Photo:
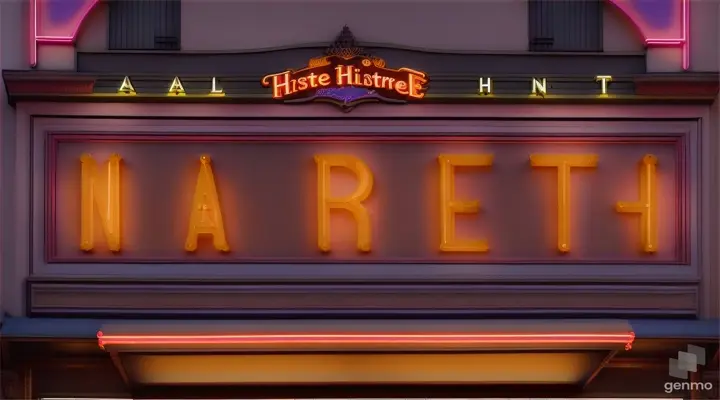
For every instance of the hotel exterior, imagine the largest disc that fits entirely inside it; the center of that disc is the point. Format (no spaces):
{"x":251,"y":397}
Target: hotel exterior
{"x":358,"y":199}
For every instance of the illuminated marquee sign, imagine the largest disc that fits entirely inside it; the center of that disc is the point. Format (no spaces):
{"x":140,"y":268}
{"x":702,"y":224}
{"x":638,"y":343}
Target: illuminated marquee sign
{"x":348,"y":81}
{"x":347,"y":76}
{"x":277,"y":199}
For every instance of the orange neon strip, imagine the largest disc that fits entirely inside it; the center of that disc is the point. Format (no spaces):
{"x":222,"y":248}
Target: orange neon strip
{"x":504,"y":338}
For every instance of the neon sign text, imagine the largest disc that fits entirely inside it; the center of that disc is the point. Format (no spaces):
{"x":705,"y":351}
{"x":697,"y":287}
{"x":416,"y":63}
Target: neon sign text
{"x":404,"y":82}
{"x":364,"y":76}
{"x":100,"y":195}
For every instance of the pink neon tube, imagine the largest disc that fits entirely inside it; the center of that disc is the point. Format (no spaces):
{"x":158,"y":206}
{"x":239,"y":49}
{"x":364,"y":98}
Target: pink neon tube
{"x":625,"y":338}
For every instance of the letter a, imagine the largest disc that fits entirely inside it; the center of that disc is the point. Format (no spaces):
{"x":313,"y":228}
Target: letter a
{"x":176,"y":88}
{"x":206,"y":216}
{"x":106,"y":202}
{"x":126,"y":87}
{"x":352,"y":203}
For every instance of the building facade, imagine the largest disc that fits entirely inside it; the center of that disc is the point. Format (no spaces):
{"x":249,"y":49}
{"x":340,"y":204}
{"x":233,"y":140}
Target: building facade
{"x":246,"y":199}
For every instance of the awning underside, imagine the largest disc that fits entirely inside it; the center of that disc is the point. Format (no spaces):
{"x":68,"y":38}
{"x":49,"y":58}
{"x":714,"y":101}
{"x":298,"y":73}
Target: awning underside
{"x":388,"y":368}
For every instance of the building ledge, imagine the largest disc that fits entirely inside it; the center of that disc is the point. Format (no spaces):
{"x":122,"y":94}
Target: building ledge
{"x":34,"y":86}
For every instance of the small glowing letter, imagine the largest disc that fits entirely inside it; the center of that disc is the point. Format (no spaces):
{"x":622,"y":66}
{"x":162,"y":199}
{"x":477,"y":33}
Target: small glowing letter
{"x":176,"y":88}
{"x":563,"y":163}
{"x":484,"y":87}
{"x":352,"y":203}
{"x":449,"y":206}
{"x":647,"y":205}
{"x":206,"y":216}
{"x":126,"y":87}
{"x":604,"y":82}
{"x":216,"y":91}
{"x":107,"y":202}
{"x":539,"y":87}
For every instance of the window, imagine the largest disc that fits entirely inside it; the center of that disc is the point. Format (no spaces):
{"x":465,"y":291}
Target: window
{"x":144,"y":25}
{"x":566,"y":25}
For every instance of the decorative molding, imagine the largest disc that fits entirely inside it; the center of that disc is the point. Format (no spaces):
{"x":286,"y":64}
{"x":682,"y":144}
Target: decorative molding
{"x":63,"y":117}
{"x":85,"y":297}
{"x":345,"y":44}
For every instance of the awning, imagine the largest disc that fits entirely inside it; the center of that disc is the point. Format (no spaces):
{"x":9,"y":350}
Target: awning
{"x":351,"y":335}
{"x":166,"y":359}
{"x":364,"y":351}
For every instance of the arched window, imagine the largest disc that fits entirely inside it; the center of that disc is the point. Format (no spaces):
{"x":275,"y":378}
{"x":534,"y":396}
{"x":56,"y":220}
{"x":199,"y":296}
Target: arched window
{"x":566,"y":25}
{"x":144,"y":25}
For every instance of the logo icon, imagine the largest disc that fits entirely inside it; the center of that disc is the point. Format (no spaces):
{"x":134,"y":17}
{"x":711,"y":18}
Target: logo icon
{"x":686,"y":361}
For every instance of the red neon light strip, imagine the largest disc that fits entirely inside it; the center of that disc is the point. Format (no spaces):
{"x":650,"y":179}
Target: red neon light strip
{"x":552,"y":338}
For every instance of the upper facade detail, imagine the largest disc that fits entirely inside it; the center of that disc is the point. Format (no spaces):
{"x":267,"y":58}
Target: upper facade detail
{"x":661,"y":23}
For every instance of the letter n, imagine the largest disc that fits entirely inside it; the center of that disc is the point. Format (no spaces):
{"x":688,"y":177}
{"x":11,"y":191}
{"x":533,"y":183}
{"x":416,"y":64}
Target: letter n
{"x":100,"y":192}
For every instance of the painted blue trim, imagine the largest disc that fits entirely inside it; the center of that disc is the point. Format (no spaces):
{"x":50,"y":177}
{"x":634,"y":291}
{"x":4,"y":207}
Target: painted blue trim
{"x":53,"y":328}
{"x":675,"y":329}
{"x":67,"y":328}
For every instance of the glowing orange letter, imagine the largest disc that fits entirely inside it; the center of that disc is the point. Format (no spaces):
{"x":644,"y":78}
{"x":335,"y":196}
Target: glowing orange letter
{"x":206,"y":216}
{"x":563,"y":163}
{"x":647,"y":205}
{"x":352,"y":203}
{"x":449,"y":206}
{"x":107,"y":202}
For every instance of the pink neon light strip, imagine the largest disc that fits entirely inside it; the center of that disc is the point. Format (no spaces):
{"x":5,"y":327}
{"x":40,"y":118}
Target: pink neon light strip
{"x":555,"y":338}
{"x":683,"y":42}
{"x":36,"y":39}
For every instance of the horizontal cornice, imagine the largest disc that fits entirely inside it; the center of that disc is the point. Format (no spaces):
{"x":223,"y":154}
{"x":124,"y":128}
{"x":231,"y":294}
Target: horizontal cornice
{"x":31,"y":85}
